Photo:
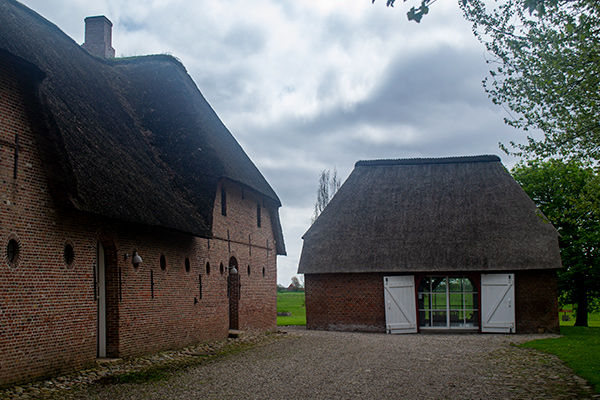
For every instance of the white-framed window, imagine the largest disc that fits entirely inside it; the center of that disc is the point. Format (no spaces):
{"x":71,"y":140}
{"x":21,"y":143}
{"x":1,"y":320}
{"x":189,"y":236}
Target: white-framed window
{"x":448,"y":302}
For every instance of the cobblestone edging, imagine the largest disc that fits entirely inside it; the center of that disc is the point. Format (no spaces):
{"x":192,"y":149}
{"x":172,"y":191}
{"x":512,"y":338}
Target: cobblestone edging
{"x":56,"y":388}
{"x":531,"y":374}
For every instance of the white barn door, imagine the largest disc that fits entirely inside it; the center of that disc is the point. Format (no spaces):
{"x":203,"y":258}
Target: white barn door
{"x":498,"y":303}
{"x":400,"y":307}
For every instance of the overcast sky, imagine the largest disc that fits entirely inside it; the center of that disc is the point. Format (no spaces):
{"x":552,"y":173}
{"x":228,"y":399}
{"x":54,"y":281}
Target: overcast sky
{"x":311,"y":85}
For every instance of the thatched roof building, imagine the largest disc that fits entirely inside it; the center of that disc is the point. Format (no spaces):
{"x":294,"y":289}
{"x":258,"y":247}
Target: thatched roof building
{"x":439,"y":214}
{"x":158,"y":157}
{"x":122,"y":191}
{"x":431,"y":244}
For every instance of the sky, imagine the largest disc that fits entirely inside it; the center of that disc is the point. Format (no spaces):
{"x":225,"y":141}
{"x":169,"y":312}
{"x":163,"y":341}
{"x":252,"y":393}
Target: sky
{"x":306,"y":86}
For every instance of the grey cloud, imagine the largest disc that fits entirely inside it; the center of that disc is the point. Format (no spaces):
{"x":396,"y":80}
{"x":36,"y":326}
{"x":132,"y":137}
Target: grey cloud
{"x":438,"y":95}
{"x":131,"y":24}
{"x":442,"y":76}
{"x":246,"y":40}
{"x":328,"y":85}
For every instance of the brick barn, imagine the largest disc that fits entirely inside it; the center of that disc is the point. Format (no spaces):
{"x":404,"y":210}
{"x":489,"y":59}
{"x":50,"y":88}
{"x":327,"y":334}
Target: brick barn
{"x":417,"y":245}
{"x":131,"y":219}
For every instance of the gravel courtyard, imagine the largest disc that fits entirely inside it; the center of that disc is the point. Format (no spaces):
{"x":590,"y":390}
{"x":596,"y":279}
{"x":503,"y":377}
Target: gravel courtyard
{"x":335,"y":365}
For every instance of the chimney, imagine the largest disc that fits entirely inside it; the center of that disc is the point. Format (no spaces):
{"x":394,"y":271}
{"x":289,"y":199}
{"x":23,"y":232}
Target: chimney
{"x":98,"y":36}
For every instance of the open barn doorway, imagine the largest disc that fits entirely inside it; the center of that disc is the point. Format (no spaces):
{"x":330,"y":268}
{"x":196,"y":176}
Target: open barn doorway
{"x":448,"y":302}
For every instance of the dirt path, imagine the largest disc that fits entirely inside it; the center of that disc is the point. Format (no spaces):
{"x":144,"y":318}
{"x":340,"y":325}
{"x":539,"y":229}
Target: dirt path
{"x":335,"y":365}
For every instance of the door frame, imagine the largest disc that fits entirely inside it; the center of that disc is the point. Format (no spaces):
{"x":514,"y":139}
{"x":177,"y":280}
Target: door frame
{"x":101,"y":330}
{"x":475,"y":278}
{"x":108,"y":295}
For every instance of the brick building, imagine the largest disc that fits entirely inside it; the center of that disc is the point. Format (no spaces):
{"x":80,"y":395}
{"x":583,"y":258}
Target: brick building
{"x":415,"y":245}
{"x":131,"y":219}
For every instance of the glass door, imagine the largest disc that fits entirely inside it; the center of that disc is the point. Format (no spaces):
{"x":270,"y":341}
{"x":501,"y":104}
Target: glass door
{"x":448,"y":302}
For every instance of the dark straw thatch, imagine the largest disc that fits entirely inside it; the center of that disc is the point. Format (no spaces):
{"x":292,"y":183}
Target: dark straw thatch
{"x":132,"y":139}
{"x":427,"y":215}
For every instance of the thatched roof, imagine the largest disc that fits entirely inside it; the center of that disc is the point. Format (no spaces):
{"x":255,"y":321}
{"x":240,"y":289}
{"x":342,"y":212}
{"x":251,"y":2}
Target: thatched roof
{"x":132,"y":139}
{"x":427,"y":215}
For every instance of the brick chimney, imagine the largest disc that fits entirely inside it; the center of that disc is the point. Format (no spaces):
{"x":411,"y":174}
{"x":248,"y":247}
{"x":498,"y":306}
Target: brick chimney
{"x":98,"y":36}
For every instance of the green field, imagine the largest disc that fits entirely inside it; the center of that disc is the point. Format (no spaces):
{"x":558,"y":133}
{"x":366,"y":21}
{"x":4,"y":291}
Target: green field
{"x":292,"y":302}
{"x":579,"y":348}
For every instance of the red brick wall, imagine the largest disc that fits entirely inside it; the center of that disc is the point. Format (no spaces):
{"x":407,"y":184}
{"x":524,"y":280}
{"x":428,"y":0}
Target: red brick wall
{"x":536,"y":301}
{"x":253,"y":247}
{"x":45,"y":305}
{"x":355,"y":302}
{"x":347,"y":302}
{"x":48,"y":312}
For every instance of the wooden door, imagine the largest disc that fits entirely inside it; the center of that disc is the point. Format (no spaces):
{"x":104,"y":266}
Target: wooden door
{"x":400,"y":307}
{"x":234,"y":300}
{"x":101,"y":300}
{"x":497,"y":303}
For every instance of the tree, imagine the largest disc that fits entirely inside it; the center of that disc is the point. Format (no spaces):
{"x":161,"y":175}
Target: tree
{"x":414,"y":14}
{"x":568,"y":193}
{"x":295,"y":285}
{"x":329,"y":183}
{"x":547,"y":71}
{"x":417,"y":13}
{"x":546,"y":57}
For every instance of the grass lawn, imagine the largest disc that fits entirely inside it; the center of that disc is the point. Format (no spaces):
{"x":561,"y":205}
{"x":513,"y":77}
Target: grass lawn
{"x":579,"y":348}
{"x":593,"y":319}
{"x":292,"y":302}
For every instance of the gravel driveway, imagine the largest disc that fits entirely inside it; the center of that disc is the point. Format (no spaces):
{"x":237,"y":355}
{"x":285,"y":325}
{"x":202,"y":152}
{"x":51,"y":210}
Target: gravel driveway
{"x":336,"y":365}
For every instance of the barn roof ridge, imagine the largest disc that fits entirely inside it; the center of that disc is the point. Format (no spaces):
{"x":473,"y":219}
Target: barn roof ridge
{"x":428,"y":160}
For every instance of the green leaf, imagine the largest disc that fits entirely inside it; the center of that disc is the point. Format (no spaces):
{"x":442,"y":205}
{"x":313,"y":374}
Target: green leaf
{"x":547,"y":71}
{"x":569,"y":27}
